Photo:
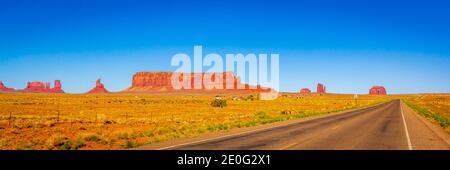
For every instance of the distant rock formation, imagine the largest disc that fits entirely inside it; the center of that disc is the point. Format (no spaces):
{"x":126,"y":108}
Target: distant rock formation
{"x":41,"y":87}
{"x":321,"y":89}
{"x":57,"y":87}
{"x":99,"y":88}
{"x":162,"y":81}
{"x":305,"y":91}
{"x":4,"y":88}
{"x":377,"y":90}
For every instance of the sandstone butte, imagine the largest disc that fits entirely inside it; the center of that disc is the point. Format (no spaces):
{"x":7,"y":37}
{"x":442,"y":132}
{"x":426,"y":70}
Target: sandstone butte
{"x":377,"y":90}
{"x":99,"y":88}
{"x":305,"y":91}
{"x":161,"y":82}
{"x":40,"y":87}
{"x":4,"y":88}
{"x":321,"y":89}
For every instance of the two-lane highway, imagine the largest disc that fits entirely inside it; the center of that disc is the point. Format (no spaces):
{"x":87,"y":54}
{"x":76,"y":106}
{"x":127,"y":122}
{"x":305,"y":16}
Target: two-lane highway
{"x":386,"y":126}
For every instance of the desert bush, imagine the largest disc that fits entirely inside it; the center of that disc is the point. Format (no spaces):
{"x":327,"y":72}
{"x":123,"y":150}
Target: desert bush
{"x":56,"y":141}
{"x":92,"y":137}
{"x":217,"y":127}
{"x":122,"y":135}
{"x":130,"y":144}
{"x":250,"y":98}
{"x":99,"y":138}
{"x":218,"y":102}
{"x":79,"y":143}
{"x":262,"y":115}
{"x":149,"y":133}
{"x":24,"y":146}
{"x":287,"y":112}
{"x":59,"y":141}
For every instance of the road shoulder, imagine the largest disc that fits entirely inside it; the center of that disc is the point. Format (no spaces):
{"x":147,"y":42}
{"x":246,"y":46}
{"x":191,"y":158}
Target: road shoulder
{"x":424,"y":134}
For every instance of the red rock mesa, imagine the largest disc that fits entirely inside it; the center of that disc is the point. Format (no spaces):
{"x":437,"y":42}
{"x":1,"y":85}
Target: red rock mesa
{"x":99,"y":88}
{"x":58,"y":87}
{"x":305,"y":91}
{"x":162,"y":81}
{"x":40,"y":87}
{"x":321,"y":89}
{"x":377,"y":90}
{"x":4,"y":88}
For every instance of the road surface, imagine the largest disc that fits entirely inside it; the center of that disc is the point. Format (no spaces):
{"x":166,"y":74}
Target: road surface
{"x":388,"y":126}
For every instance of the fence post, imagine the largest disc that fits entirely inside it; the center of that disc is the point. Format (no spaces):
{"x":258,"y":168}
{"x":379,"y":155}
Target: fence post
{"x":10,"y":117}
{"x":57,"y":118}
{"x":355,"y":96}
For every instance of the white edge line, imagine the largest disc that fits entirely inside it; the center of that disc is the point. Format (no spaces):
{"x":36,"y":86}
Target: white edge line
{"x":220,"y":137}
{"x":406,"y":128}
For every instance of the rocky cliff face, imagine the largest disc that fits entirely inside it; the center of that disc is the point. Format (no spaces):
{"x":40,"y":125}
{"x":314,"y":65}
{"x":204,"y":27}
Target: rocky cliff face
{"x":152,"y":80}
{"x":4,"y":88}
{"x":99,"y":88}
{"x":321,"y":89}
{"x":377,"y":90}
{"x":162,"y":81}
{"x":57,"y":87}
{"x":41,"y":87}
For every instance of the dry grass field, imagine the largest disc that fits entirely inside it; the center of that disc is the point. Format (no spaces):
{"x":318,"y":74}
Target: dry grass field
{"x":435,"y":107}
{"x":119,"y":121}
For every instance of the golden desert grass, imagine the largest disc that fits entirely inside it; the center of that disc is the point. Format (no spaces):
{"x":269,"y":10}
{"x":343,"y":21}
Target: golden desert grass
{"x":119,"y":121}
{"x":435,"y":107}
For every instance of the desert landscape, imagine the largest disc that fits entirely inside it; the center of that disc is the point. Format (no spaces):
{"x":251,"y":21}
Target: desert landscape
{"x":224,"y":84}
{"x":120,"y":121}
{"x":41,"y":117}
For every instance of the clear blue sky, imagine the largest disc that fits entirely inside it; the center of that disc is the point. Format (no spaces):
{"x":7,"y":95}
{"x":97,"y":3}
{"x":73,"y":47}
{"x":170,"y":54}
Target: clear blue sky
{"x":347,"y":45}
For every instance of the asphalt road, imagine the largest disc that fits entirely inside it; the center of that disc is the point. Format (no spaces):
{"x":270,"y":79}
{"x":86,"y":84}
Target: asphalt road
{"x":389,"y":126}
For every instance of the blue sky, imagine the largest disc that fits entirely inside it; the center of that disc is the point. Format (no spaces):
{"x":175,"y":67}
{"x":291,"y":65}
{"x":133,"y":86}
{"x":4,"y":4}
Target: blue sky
{"x":347,"y":45}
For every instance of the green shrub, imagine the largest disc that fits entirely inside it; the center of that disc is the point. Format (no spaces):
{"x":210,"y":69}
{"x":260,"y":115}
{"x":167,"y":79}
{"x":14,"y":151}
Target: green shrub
{"x":78,"y":144}
{"x":66,"y":145}
{"x":122,"y":135}
{"x":218,"y":102}
{"x":92,"y":138}
{"x":131,"y":144}
{"x":250,"y":98}
{"x":287,"y":112}
{"x":262,"y":115}
{"x":149,"y":133}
